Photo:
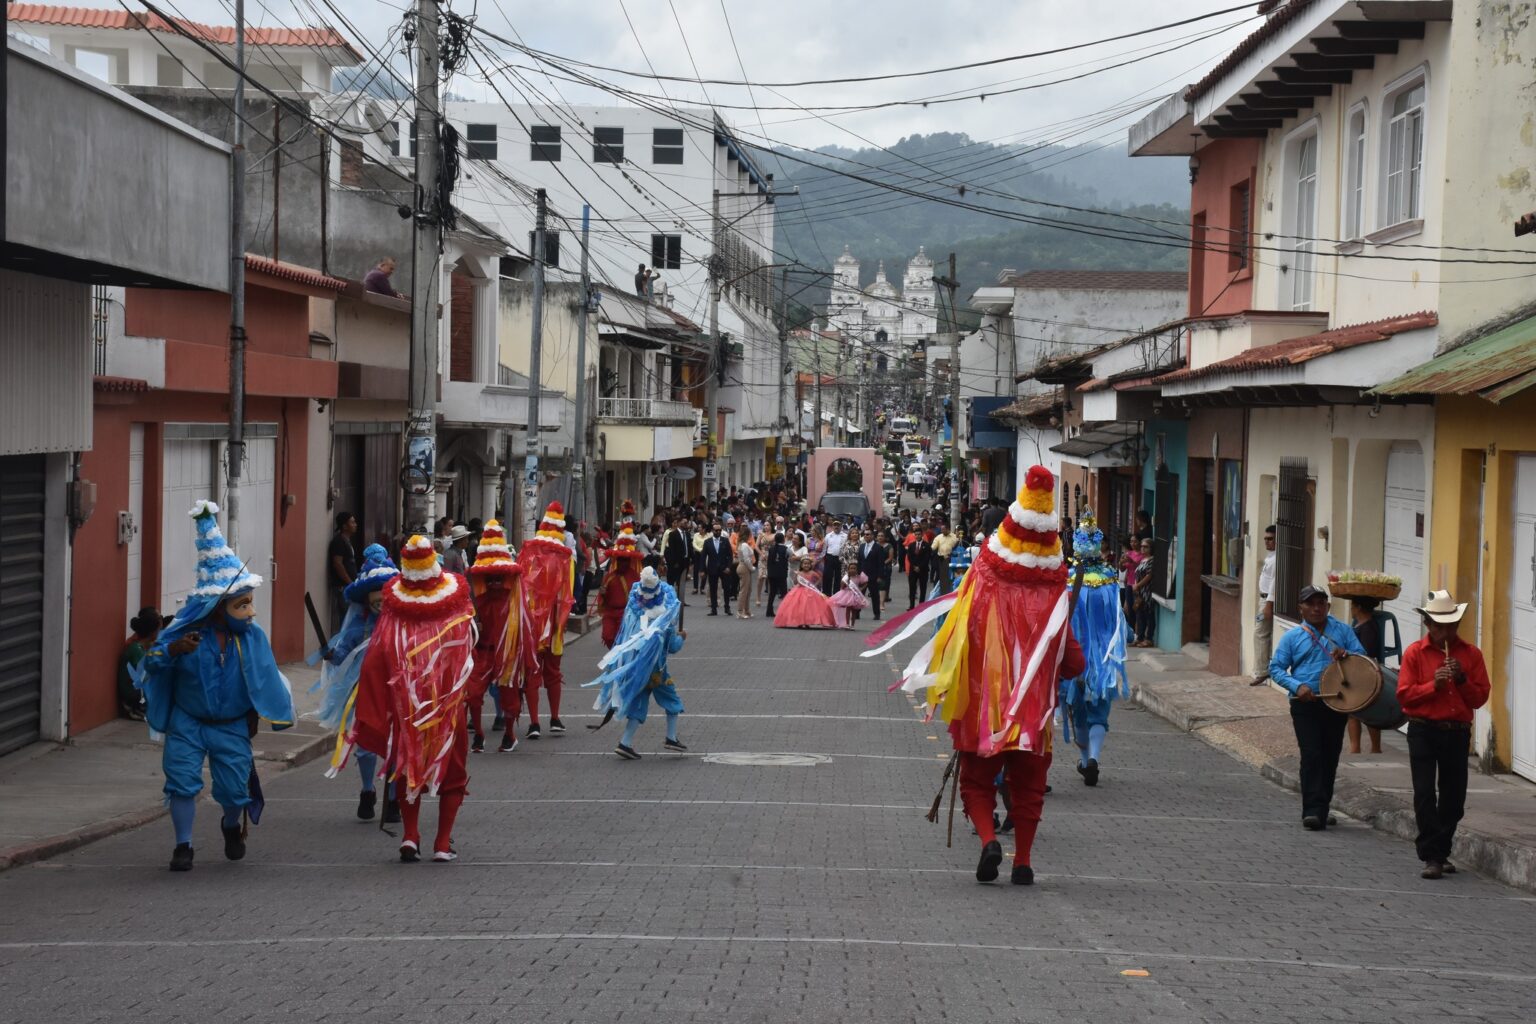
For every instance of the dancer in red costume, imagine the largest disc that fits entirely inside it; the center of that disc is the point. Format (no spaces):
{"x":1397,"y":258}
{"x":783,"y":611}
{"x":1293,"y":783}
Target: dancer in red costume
{"x":412,"y":690}
{"x":991,"y":670}
{"x":548,"y":579}
{"x":623,"y":573}
{"x":501,"y":654}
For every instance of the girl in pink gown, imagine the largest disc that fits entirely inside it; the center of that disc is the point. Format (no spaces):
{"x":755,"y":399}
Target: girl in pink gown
{"x":849,"y":599}
{"x":805,"y":606}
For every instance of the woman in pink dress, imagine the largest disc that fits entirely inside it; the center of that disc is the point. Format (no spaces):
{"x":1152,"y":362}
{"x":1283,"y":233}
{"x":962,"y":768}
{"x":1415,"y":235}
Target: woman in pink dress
{"x":849,"y":601}
{"x":805,"y":606}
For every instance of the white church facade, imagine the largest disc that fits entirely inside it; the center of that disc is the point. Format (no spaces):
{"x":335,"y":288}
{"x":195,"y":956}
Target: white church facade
{"x":906,"y":316}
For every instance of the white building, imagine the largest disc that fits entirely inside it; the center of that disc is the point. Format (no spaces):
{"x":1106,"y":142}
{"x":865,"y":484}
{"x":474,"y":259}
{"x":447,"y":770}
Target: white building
{"x":906,"y":316}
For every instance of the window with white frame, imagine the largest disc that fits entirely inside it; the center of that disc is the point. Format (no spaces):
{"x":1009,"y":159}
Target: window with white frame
{"x":1403,"y":168}
{"x":480,"y":141}
{"x":1301,"y":187}
{"x":1354,"y":171}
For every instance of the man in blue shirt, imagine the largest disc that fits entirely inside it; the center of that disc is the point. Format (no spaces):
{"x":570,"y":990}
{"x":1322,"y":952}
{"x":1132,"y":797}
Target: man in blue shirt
{"x":1298,"y":664}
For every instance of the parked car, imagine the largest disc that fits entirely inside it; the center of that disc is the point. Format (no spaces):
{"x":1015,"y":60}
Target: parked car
{"x":846,"y":505}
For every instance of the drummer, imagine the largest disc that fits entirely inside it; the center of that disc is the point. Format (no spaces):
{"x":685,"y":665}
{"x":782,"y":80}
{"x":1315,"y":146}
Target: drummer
{"x":1297,"y":665}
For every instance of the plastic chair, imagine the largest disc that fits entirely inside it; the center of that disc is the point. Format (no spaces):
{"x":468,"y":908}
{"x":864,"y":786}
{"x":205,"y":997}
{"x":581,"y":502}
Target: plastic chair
{"x":1394,"y":647}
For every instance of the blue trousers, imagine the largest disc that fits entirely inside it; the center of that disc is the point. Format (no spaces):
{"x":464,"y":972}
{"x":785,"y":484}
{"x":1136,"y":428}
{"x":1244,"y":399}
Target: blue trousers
{"x":226,"y":748}
{"x":665,"y":696}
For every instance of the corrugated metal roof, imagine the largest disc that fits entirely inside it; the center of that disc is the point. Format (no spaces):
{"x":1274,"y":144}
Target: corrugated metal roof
{"x":89,"y":17}
{"x":1293,"y":351}
{"x":1107,"y":280}
{"x":1497,"y":367}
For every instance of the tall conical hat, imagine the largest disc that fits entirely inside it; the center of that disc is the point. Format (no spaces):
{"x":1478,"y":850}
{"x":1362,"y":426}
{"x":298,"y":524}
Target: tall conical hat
{"x":220,"y":573}
{"x":422,"y":582}
{"x":377,"y":570}
{"x":493,"y":557}
{"x":625,"y":545}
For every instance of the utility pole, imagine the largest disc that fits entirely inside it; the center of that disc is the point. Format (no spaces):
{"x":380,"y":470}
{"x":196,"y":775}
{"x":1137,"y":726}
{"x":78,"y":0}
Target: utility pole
{"x":783,"y":360}
{"x":716,"y":365}
{"x":951,"y":285}
{"x":816,"y":431}
{"x":577,"y":499}
{"x":535,"y":371}
{"x":419,"y":475}
{"x":235,"y":456}
{"x":841,"y":426}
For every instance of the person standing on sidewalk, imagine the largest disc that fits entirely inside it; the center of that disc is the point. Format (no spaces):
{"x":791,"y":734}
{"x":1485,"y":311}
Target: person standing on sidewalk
{"x":1443,"y":680}
{"x":1298,"y":664}
{"x":1264,"y":625}
{"x":208,"y":680}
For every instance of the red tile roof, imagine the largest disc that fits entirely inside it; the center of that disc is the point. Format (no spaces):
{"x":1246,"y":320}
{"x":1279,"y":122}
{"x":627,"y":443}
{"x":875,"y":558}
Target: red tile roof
{"x":90,"y":17}
{"x":102,"y":382}
{"x":296,"y":274}
{"x":1279,"y":15}
{"x":1107,"y":280}
{"x":1294,"y":351}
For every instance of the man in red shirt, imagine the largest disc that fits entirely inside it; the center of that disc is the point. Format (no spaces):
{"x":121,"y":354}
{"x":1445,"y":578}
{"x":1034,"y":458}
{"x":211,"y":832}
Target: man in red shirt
{"x":1441,"y":683}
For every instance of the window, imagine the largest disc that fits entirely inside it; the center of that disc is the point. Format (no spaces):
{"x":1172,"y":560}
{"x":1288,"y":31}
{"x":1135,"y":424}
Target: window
{"x":1293,"y":527}
{"x":168,"y":71}
{"x":1303,"y":219}
{"x":1354,"y":171}
{"x":666,"y":252}
{"x":607,"y":145}
{"x":1405,"y":154}
{"x":1239,"y":204}
{"x":551,"y":248}
{"x":544,"y":143}
{"x":481,"y":144}
{"x":405,"y":139}
{"x":667,"y":146}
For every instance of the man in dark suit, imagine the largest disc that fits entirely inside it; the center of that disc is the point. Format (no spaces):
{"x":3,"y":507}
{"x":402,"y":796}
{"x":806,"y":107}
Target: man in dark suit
{"x":676,"y":549}
{"x":777,"y":570}
{"x":871,"y":560}
{"x":718,"y":560}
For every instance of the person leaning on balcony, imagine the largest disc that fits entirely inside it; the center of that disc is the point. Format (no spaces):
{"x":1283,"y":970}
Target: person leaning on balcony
{"x":1443,"y":680}
{"x":1298,"y":664}
{"x":377,"y":279}
{"x":1264,"y":625}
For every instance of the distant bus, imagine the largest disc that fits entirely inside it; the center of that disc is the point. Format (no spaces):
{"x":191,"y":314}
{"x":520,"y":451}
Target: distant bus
{"x":901,"y":426}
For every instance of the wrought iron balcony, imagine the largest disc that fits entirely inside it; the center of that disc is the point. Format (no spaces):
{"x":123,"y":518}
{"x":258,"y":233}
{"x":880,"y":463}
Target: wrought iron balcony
{"x":645,"y":410}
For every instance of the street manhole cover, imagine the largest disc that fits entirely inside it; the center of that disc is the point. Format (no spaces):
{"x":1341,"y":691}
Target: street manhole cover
{"x":768,"y":760}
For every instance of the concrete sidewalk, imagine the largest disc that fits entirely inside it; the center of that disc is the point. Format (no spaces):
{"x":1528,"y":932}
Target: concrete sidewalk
{"x":1253,"y":724}
{"x":57,"y":796}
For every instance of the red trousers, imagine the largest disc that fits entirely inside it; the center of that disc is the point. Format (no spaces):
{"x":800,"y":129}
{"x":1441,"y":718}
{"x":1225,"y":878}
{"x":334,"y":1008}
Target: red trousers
{"x":510,"y":699}
{"x":1025,"y":780}
{"x":450,"y":795}
{"x":546,"y":673}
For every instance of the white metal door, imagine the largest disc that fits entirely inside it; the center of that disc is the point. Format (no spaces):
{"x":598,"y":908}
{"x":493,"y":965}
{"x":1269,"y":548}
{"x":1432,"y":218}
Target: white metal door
{"x":189,"y":474}
{"x":135,"y":517}
{"x":1403,"y":528}
{"x":1520,"y":673}
{"x":258,"y":485}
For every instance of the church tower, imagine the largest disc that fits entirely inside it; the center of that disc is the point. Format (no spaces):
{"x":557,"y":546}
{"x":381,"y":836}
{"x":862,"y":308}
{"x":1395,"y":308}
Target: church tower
{"x":919,"y":297}
{"x":845,"y":306}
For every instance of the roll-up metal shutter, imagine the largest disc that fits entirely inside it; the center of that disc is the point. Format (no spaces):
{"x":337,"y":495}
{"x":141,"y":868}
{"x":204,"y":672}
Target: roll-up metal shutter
{"x":21,"y":600}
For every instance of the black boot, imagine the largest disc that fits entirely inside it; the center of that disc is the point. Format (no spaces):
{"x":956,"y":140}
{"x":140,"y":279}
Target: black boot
{"x":391,"y":811}
{"x":1023,"y":874}
{"x":181,"y":857}
{"x":234,"y":842}
{"x":991,"y":857}
{"x":365,"y":804}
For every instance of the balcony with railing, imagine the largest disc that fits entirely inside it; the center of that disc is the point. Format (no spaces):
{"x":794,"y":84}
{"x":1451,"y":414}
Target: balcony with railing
{"x":645,"y":410}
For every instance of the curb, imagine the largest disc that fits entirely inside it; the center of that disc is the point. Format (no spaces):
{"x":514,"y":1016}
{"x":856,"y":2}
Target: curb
{"x":52,"y":846}
{"x":1513,"y":864}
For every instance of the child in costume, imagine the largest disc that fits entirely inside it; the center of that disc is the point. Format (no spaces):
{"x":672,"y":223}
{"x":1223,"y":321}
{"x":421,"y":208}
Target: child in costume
{"x":412,"y":690}
{"x":1099,"y":625}
{"x":635,"y":672}
{"x":991,"y":670}
{"x":548,"y":592}
{"x":805,"y":606}
{"x":623,"y":573}
{"x":343,"y":657}
{"x":849,"y":601}
{"x":501,"y":655}
{"x":207,"y":679}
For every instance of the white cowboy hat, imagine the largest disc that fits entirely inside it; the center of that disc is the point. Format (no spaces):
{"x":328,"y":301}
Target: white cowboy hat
{"x":458,"y":533}
{"x":1442,"y":607}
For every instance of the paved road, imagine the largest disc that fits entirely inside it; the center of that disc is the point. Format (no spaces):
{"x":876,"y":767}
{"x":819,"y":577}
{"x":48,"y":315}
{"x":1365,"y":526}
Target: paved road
{"x":680,"y":888}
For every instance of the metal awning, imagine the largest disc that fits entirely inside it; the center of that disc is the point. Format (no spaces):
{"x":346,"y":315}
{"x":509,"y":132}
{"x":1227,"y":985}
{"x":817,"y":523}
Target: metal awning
{"x":1097,"y":440}
{"x":1495,"y":367}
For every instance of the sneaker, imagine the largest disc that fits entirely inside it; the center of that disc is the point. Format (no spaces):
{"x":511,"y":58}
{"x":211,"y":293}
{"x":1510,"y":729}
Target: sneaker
{"x":443,"y":856}
{"x":234,"y":842}
{"x":410,"y":853}
{"x":1023,"y":874}
{"x":477,"y":745}
{"x":365,"y":804}
{"x":1432,"y":869}
{"x":627,"y":753}
{"x":533,"y":731}
{"x":391,"y":812}
{"x":991,"y":857}
{"x":1089,"y":772}
{"x":508,"y":742}
{"x":556,"y":726}
{"x":181,"y":857}
{"x":674,"y":745}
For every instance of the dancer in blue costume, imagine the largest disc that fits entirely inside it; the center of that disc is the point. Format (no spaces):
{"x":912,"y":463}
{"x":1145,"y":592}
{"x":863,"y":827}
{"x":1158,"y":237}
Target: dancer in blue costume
{"x":344,"y":662}
{"x":635,"y":672}
{"x":207,"y":680}
{"x":1098,"y":622}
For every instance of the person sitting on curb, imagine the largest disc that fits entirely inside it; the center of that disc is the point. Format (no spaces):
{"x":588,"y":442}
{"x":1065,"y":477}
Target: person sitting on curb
{"x":1298,"y":664}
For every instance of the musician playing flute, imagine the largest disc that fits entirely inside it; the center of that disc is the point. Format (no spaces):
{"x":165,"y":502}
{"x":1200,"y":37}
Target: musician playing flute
{"x":1441,"y":683}
{"x":1297,"y":665}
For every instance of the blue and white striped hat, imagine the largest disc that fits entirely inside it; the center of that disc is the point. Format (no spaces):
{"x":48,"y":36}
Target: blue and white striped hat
{"x":219,"y":570}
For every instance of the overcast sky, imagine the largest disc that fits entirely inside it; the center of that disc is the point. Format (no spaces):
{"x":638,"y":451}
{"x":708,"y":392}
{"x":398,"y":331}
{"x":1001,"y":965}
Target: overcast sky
{"x":795,"y":40}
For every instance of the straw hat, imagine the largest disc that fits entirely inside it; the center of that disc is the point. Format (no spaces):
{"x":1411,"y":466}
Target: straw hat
{"x":1442,"y":607}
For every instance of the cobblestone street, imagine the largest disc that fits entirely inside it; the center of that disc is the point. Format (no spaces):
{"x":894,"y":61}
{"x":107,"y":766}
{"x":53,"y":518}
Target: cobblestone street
{"x":691,"y":888}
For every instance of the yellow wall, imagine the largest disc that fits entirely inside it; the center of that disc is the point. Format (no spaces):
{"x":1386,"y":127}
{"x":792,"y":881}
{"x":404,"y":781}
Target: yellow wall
{"x":1470,"y":432}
